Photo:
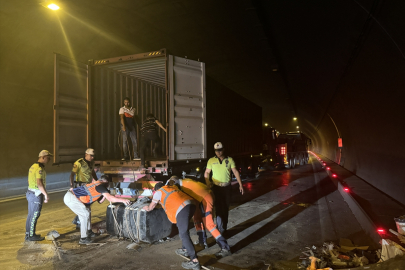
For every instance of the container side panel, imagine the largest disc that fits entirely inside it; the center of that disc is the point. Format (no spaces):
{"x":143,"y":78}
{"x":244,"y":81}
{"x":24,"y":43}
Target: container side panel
{"x":187,"y":80}
{"x":70,"y":109}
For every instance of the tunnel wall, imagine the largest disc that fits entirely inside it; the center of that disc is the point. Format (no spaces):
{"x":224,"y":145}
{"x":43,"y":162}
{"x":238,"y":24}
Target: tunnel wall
{"x":30,"y":34}
{"x":368,"y":111}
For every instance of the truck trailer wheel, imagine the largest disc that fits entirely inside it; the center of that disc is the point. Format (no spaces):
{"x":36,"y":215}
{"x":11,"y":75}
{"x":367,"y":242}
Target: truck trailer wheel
{"x":292,"y":163}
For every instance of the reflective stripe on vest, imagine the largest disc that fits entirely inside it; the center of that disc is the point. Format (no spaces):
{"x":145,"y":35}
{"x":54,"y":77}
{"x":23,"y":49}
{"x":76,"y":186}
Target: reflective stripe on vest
{"x":167,"y":196}
{"x":92,"y":194}
{"x":176,"y":203}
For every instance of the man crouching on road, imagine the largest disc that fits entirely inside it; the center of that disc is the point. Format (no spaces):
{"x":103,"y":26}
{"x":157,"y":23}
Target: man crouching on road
{"x":78,"y":198}
{"x":179,"y":208}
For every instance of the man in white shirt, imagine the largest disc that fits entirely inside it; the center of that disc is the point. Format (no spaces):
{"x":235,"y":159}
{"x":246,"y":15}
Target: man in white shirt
{"x":128,"y":129}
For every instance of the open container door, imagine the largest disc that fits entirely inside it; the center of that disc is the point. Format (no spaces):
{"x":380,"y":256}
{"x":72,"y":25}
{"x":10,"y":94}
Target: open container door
{"x":71,"y":125}
{"x":187,"y":109}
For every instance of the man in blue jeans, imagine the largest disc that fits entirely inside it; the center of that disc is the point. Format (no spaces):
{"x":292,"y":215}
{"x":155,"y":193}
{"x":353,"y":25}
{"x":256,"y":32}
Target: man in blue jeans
{"x":128,"y":129}
{"x":36,"y":195}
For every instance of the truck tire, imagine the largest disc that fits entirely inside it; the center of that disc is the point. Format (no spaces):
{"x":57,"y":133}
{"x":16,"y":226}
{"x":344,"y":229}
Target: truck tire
{"x":292,"y":163}
{"x":288,"y":166}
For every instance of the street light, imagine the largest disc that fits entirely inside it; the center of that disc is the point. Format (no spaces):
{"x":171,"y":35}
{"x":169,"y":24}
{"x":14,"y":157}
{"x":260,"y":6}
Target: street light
{"x":53,"y":6}
{"x":298,"y":127}
{"x":295,"y":118}
{"x":266,"y":124}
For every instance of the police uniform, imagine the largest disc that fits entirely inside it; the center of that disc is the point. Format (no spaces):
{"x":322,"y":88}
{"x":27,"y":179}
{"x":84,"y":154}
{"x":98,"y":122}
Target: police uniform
{"x":83,"y":171}
{"x":84,"y":175}
{"x":221,"y":178}
{"x":34,"y":197}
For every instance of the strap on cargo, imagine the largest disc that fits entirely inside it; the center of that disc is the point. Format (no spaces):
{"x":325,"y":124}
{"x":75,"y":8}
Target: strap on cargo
{"x":115,"y":219}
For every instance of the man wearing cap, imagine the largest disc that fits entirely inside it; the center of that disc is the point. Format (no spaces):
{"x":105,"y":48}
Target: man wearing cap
{"x":83,"y":168}
{"x":221,"y":167}
{"x":36,"y":195}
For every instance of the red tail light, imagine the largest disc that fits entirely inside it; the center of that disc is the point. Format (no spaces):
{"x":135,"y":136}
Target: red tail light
{"x":381,"y":231}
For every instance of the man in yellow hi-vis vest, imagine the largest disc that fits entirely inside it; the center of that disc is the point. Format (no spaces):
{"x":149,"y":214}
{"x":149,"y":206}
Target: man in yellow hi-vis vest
{"x":36,"y":195}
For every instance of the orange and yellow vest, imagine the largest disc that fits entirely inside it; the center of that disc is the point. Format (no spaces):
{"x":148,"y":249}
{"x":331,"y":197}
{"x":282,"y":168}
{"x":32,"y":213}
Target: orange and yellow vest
{"x":173,"y":201}
{"x":91,"y":193}
{"x":194,"y":189}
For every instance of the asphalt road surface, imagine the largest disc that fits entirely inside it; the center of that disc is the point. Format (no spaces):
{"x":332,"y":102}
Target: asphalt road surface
{"x":280,"y":214}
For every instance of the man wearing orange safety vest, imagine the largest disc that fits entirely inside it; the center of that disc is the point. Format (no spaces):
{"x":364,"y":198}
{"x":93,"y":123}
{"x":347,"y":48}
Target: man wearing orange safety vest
{"x":203,"y":213}
{"x":179,"y":208}
{"x":78,"y":198}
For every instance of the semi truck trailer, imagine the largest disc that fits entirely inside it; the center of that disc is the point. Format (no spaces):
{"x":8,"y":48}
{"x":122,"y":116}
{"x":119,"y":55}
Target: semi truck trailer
{"x":196,"y":110}
{"x":286,"y":150}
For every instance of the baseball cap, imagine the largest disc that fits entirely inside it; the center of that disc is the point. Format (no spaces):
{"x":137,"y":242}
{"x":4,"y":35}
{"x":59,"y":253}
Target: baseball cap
{"x":218,"y":146}
{"x":90,"y":151}
{"x":44,"y":153}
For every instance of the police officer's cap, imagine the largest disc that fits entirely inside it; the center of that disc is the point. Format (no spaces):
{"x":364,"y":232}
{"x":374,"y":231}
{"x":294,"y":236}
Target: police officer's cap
{"x":218,"y":146}
{"x":90,"y":151}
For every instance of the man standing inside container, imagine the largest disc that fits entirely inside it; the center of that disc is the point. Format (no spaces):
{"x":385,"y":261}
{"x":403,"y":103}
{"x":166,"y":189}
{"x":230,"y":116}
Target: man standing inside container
{"x":83,"y":169}
{"x":128,"y":129}
{"x":79,"y":200}
{"x":221,"y":167}
{"x":179,"y":208}
{"x":36,"y":195}
{"x":149,"y":131}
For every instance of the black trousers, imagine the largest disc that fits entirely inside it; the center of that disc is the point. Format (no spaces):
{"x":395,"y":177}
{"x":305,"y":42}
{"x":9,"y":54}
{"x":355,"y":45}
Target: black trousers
{"x":222,"y":203}
{"x":182,"y":219}
{"x":34,"y":211}
{"x":146,"y":138}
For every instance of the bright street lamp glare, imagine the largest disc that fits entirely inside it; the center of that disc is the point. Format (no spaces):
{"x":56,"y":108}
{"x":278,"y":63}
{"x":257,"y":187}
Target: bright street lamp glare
{"x":53,"y":7}
{"x":266,"y":124}
{"x":298,"y":127}
{"x":295,"y":118}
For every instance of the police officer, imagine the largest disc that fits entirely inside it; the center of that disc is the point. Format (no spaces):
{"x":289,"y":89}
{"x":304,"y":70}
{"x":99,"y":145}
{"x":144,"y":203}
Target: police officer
{"x":36,"y":195}
{"x":179,"y":208}
{"x":221,"y":167}
{"x":83,"y":169}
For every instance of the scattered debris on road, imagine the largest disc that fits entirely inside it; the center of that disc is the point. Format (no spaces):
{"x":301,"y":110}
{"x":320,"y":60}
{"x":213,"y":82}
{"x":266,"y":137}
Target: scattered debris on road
{"x":332,"y":256}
